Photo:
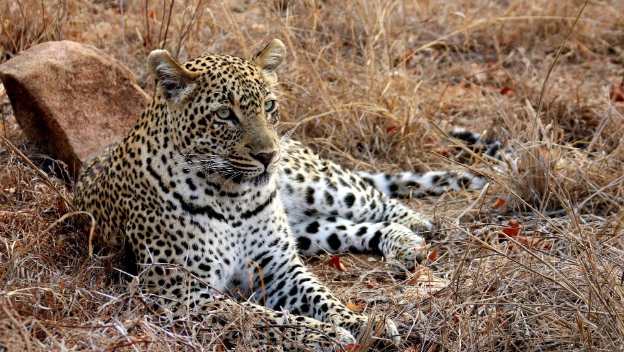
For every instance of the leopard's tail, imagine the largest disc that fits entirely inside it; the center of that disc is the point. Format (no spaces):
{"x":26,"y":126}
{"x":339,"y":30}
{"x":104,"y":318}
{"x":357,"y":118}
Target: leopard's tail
{"x":408,"y":184}
{"x":433,"y":183}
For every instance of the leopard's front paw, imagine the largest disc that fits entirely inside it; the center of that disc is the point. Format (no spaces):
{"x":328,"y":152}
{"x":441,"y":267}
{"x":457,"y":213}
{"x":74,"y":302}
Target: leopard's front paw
{"x":404,"y":248}
{"x":419,"y":224}
{"x":343,"y":336}
{"x":379,"y":329}
{"x":339,"y":339}
{"x":391,"y":332}
{"x":317,"y":336}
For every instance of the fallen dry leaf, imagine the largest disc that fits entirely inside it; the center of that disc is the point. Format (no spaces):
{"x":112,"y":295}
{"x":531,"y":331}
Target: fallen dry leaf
{"x":444,"y":152}
{"x":617,"y":92}
{"x":512,"y":229}
{"x":506,"y":91}
{"x":531,"y":242}
{"x":499,"y":203}
{"x":392,"y":130}
{"x":353,"y":347}
{"x":336,"y":263}
{"x":356,"y":307}
{"x":433,"y":255}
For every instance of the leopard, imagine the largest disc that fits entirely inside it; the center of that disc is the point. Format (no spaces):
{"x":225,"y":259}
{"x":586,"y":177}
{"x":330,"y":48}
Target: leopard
{"x":210,"y":199}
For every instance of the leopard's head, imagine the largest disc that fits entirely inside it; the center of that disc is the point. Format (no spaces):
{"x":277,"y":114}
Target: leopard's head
{"x":222,"y":111}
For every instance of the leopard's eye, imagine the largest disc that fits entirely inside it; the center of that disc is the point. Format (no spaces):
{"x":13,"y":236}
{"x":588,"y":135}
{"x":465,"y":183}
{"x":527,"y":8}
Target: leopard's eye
{"x":227,"y":114}
{"x":270,"y":105}
{"x":224,"y":113}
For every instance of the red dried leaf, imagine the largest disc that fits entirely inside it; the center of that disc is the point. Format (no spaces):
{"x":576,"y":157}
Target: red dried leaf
{"x":444,"y":152}
{"x":353,"y":347}
{"x":433,"y":255}
{"x":506,"y":91}
{"x":499,"y":203}
{"x":512,"y":229}
{"x":336,"y":263}
{"x":617,"y":93}
{"x":525,"y":241}
{"x":356,"y":307}
{"x":392,"y":130}
{"x":413,"y":280}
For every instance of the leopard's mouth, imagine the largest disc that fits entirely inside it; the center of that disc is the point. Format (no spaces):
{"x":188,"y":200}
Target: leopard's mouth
{"x":242,"y":172}
{"x":259,"y":178}
{"x":235,"y":170}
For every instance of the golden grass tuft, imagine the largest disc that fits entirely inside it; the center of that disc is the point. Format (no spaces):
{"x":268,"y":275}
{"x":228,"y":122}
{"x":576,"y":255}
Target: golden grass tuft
{"x":368,"y":83}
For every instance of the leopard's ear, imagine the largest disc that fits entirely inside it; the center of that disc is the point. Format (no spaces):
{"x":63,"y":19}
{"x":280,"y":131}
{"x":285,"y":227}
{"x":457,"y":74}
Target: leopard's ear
{"x":174,"y":81}
{"x":269,"y":58}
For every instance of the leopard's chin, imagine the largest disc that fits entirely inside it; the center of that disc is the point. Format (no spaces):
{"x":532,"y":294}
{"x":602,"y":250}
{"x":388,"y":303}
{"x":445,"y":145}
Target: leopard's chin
{"x":256,"y":179}
{"x":262,"y":179}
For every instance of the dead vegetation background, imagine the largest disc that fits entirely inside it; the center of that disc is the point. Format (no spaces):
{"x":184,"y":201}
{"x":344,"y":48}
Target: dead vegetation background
{"x":535,"y":262}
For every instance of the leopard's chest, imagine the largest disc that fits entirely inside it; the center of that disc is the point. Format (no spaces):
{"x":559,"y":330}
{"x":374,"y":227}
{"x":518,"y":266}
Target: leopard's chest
{"x":219,"y":238}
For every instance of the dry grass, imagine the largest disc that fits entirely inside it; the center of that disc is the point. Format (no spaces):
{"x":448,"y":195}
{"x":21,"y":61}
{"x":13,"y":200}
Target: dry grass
{"x":366,"y":83}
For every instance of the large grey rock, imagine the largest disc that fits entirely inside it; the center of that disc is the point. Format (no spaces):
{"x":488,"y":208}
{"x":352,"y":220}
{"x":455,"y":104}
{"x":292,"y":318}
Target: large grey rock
{"x":72,"y":99}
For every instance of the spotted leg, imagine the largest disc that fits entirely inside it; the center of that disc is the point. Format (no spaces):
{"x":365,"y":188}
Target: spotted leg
{"x":318,"y":191}
{"x":292,"y":332}
{"x":192,"y":288}
{"x":330,"y":234}
{"x":291,"y":287}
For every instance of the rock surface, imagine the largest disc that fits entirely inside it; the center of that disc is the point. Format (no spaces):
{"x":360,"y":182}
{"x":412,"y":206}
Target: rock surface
{"x":72,"y":99}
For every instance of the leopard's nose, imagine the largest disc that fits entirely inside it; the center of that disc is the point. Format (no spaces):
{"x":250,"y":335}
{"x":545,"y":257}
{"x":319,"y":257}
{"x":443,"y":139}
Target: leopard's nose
{"x":264,"y":158}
